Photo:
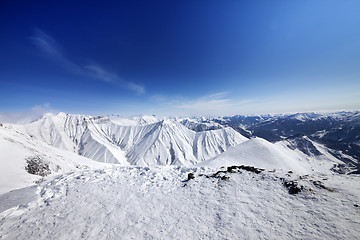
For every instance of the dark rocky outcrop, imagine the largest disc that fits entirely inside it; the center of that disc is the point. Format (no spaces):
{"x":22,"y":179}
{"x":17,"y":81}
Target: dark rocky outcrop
{"x":190,"y":176}
{"x":37,"y":166}
{"x":293,"y":186}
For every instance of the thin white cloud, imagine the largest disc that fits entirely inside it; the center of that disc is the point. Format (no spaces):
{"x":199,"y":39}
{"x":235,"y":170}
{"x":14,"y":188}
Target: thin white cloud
{"x":26,"y":116}
{"x":214,"y":104}
{"x":99,"y":73}
{"x":209,"y":105}
{"x":158,"y":98}
{"x":218,"y":95}
{"x":206,"y":106}
{"x":217,"y":104}
{"x":47,"y":45}
{"x":136,"y":87}
{"x":245,"y":102}
{"x":51,"y":49}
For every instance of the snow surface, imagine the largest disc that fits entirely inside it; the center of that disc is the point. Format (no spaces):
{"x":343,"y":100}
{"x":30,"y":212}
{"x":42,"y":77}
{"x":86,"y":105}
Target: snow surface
{"x":262,"y":154}
{"x":156,"y":203}
{"x":15,"y":147}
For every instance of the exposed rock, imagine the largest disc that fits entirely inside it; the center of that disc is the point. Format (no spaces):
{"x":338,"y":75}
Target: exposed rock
{"x":292,"y":186}
{"x":221,"y":175}
{"x":320,"y":184}
{"x":37,"y":166}
{"x":190,"y":176}
{"x":246,"y":168}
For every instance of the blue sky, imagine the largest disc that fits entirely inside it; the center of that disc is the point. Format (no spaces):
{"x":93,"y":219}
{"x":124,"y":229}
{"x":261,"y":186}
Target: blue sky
{"x":179,"y":57}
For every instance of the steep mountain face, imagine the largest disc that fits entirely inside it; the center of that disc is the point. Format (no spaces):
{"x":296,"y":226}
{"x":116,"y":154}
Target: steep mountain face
{"x":76,"y":133}
{"x":304,"y":144}
{"x":166,"y":142}
{"x":199,"y":126}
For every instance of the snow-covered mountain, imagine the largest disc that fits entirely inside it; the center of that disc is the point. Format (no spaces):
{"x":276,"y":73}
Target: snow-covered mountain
{"x":338,"y":132}
{"x":166,"y":142}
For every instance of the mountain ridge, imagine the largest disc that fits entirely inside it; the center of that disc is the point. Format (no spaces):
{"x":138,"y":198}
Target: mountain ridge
{"x":164,"y":142}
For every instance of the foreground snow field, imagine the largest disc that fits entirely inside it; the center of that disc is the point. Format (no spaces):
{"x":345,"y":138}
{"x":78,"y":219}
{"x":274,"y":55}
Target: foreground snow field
{"x":159,"y":203}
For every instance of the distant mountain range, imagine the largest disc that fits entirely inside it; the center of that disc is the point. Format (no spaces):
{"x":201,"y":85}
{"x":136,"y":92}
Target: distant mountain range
{"x":339,"y":132}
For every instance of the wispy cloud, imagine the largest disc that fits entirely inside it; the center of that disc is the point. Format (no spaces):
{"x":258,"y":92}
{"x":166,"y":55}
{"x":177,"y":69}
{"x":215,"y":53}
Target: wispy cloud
{"x":52,"y":50}
{"x":215,"y":104}
{"x":210,"y":105}
{"x":158,"y":98}
{"x":223,"y":104}
{"x":136,"y":87}
{"x":99,"y":73}
{"x":26,"y":116}
{"x":218,"y":95}
{"x":48,"y":46}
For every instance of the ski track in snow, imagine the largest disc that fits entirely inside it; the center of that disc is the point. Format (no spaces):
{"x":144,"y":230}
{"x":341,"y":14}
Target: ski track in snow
{"x":153,"y":203}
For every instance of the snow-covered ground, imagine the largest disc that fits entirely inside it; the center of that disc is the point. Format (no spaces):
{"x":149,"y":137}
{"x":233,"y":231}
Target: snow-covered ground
{"x":16,"y":147}
{"x":157,"y":203}
{"x":262,"y":154}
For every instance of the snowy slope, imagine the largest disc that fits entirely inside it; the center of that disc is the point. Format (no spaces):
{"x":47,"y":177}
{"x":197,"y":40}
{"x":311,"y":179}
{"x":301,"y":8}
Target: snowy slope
{"x":262,"y":154}
{"x":156,"y":203}
{"x":16,"y":147}
{"x":166,"y":142}
{"x":320,"y":157}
